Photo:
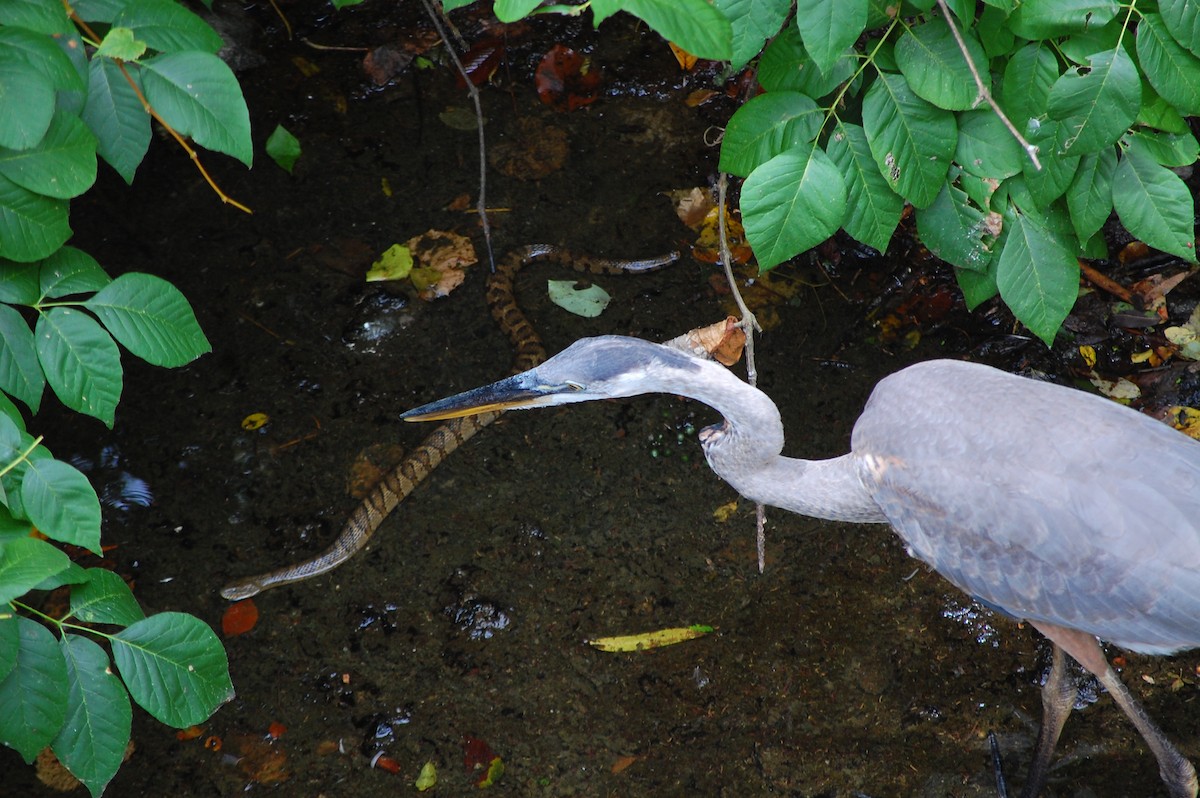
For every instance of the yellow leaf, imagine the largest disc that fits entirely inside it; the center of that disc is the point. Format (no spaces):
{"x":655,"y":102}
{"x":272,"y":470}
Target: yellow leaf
{"x":657,"y":639}
{"x":1089,"y":355}
{"x":722,"y":513}
{"x":255,"y":421}
{"x":427,"y":777}
{"x":395,"y":264}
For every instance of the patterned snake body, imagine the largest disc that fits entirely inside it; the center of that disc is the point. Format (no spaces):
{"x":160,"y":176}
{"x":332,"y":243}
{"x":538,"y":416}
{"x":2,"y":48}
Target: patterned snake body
{"x":394,"y":487}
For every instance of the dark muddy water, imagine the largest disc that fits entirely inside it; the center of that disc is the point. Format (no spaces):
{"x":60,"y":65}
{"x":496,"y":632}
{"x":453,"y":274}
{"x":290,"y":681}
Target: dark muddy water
{"x":846,"y":669}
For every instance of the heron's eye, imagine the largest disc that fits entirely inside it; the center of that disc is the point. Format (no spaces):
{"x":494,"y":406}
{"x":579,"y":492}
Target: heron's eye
{"x":574,"y":386}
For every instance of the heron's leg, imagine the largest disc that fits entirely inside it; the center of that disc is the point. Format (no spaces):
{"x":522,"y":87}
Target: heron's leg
{"x":1058,"y":699}
{"x":1176,"y":771}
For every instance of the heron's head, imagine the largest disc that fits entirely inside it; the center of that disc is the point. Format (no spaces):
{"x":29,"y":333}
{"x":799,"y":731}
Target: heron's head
{"x":606,"y":367}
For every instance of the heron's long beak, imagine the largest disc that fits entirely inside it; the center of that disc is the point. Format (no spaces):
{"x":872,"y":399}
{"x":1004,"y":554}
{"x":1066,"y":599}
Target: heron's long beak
{"x":519,"y":391}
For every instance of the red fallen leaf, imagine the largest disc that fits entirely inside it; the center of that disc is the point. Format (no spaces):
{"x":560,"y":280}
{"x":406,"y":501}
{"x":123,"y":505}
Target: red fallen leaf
{"x":566,"y":80}
{"x":239,"y":618}
{"x":481,"y":61}
{"x":481,"y":761}
{"x":276,"y":730}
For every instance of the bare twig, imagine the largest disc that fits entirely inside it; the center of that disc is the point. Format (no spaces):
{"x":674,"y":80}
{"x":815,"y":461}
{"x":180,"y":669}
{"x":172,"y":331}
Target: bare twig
{"x":435,"y":15}
{"x":1030,"y":149}
{"x":750,"y":326}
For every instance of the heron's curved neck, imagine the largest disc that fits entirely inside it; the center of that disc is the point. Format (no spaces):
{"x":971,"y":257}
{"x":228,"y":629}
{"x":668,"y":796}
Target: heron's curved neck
{"x":745,"y":452}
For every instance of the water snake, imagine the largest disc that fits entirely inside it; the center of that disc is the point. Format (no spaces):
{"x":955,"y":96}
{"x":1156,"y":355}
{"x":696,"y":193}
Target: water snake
{"x":395,"y":486}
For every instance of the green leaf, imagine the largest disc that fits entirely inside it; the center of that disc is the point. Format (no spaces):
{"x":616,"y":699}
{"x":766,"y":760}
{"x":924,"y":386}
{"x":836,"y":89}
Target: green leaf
{"x":451,"y":5}
{"x":168,"y":27}
{"x":199,"y":96}
{"x":828,"y":29}
{"x":61,"y":165}
{"x":693,"y":25}
{"x":513,"y":10}
{"x":73,"y":574}
{"x":935,"y":68}
{"x":1058,"y":170}
{"x":33,"y":697}
{"x":121,"y":44}
{"x":151,"y":318}
{"x":985,"y":147}
{"x":70,"y":271}
{"x":80,"y":361}
{"x":31,"y":226}
{"x":61,"y":502}
{"x":1028,"y":78}
{"x":586,"y":302}
{"x":1048,"y":19}
{"x":26,"y":105}
{"x":41,"y":16}
{"x":1099,"y":105}
{"x":1182,"y":19}
{"x":1172,"y":71}
{"x":872,"y":208}
{"x":954,"y":230}
{"x":791,"y":203}
{"x":20,"y":373}
{"x":9,"y":640}
{"x":1089,"y":198}
{"x":994,"y":34}
{"x":42,"y":55}
{"x":116,"y":117}
{"x":1037,"y":275}
{"x":766,"y":126}
{"x":175,"y":668}
{"x":26,"y":562}
{"x":1158,"y":113}
{"x":912,"y":140}
{"x":1168,"y":149}
{"x":92,"y":741}
{"x":754,"y":22}
{"x":19,"y":283}
{"x":977,"y":287}
{"x":283,"y":148}
{"x":786,"y":66}
{"x":1154,"y":204}
{"x":105,"y":598}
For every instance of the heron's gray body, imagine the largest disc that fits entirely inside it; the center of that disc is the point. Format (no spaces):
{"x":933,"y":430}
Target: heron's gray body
{"x":1049,"y":504}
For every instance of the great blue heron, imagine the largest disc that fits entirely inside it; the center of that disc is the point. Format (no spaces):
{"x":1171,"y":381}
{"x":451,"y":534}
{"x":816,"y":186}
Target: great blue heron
{"x":1053,"y":506}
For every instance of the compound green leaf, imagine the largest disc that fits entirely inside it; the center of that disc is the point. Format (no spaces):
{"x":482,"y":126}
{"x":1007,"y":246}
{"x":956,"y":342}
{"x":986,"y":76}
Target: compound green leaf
{"x":24,"y":563}
{"x":62,"y":165}
{"x":935,"y":68}
{"x":199,"y":96}
{"x":61,"y":502}
{"x":42,"y":16}
{"x":42,"y":55}
{"x":167,"y":26}
{"x":174,"y":667}
{"x":1173,"y":71}
{"x":1154,"y":204}
{"x":31,"y":226}
{"x":828,"y":29}
{"x":104,"y":598}
{"x":1037,"y":275}
{"x":26,"y":105}
{"x":92,"y":741}
{"x":912,"y":140}
{"x":766,"y":126}
{"x":1090,"y":197}
{"x":872,"y":208}
{"x":33,"y":697}
{"x":1097,"y":104}
{"x":116,"y":117}
{"x":81,"y":362}
{"x":693,"y":25}
{"x":151,"y":318}
{"x":70,"y":271}
{"x":954,"y":230}
{"x":753,"y":21}
{"x":1182,"y":19}
{"x":20,"y":373}
{"x":791,"y":203}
